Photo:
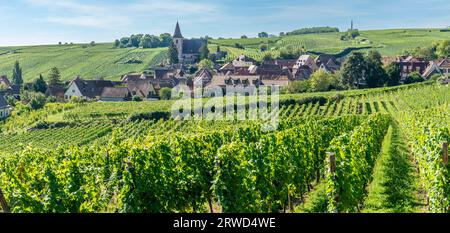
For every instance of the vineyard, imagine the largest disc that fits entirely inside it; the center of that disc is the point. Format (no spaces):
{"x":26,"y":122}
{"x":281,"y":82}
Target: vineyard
{"x":388,"y":42}
{"x":328,"y":154}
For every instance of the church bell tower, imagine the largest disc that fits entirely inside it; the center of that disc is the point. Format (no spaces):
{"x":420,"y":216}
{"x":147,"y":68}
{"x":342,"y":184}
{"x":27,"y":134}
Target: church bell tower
{"x":178,"y":41}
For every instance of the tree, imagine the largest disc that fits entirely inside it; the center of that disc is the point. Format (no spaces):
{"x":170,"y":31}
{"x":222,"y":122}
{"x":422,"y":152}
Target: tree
{"x":443,"y":48}
{"x":39,"y":85}
{"x":37,"y":101}
{"x":263,"y":47}
{"x":244,"y":37}
{"x":413,"y":77}
{"x":54,"y":77}
{"x":353,"y":70}
{"x":92,"y":43}
{"x":267,"y":57}
{"x":206,"y":63}
{"x":116,"y":43}
{"x":17,"y":74}
{"x":298,"y":86}
{"x":165,"y":38}
{"x":204,"y":52}
{"x":320,"y":81}
{"x":173,"y":53}
{"x":136,"y":98}
{"x":393,"y":72}
{"x":375,"y":74}
{"x":165,"y":93}
{"x":263,"y":35}
{"x":146,"y":42}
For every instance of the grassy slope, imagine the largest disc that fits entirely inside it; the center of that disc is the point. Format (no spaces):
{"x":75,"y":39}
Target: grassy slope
{"x":394,"y":188}
{"x":72,"y":60}
{"x":389,"y":42}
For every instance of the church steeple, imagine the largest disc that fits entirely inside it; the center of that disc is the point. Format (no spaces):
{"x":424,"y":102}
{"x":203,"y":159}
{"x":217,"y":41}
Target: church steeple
{"x":177,"y":33}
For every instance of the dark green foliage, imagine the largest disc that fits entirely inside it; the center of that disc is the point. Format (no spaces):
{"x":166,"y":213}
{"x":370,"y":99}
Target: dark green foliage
{"x":393,"y":71}
{"x":263,"y":35}
{"x":204,"y":52}
{"x":165,"y":93}
{"x":413,"y":77}
{"x":311,"y":31}
{"x":313,"y":99}
{"x":40,"y":85}
{"x":156,"y":116}
{"x":17,"y":74}
{"x":353,"y":70}
{"x":375,"y":74}
{"x":54,"y":77}
{"x":173,"y":53}
{"x":136,"y":98}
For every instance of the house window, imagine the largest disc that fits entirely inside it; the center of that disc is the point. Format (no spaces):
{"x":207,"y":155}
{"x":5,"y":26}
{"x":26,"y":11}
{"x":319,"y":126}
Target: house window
{"x":73,"y":90}
{"x":1,"y":114}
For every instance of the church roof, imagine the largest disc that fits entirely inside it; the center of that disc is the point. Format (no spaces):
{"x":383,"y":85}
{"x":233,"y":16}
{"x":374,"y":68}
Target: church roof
{"x":177,"y":33}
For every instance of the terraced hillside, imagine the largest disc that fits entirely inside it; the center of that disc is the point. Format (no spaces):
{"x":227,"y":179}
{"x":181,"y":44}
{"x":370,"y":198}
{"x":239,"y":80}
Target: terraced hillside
{"x":87,"y":61}
{"x":388,"y":42}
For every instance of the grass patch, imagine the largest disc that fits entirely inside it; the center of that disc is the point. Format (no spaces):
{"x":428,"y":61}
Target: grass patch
{"x":394,"y":188}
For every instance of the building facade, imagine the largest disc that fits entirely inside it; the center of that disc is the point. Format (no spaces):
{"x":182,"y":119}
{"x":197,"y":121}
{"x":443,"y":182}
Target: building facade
{"x":188,"y":49}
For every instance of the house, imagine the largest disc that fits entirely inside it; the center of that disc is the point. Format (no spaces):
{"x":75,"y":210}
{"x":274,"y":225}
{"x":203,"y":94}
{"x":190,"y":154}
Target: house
{"x":239,"y":65}
{"x":57,"y":91}
{"x":225,"y":81}
{"x":327,"y":62}
{"x":11,"y":89}
{"x":115,"y":94}
{"x":188,"y":49}
{"x":302,"y":72}
{"x":5,"y":108}
{"x":441,"y":66}
{"x":444,"y":66}
{"x":283,"y":63}
{"x":148,"y":86}
{"x":203,"y":77}
{"x":4,"y":81}
{"x":409,"y":64}
{"x":306,"y":60}
{"x":87,"y":89}
{"x":243,"y":61}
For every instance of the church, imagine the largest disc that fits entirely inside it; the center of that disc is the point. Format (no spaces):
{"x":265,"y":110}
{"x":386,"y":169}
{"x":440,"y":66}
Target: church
{"x":188,"y":49}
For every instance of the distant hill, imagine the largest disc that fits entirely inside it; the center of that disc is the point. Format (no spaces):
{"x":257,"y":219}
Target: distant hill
{"x":389,"y":42}
{"x":87,"y":61}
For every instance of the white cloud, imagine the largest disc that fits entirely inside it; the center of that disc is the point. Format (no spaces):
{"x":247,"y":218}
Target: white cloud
{"x":80,"y":13}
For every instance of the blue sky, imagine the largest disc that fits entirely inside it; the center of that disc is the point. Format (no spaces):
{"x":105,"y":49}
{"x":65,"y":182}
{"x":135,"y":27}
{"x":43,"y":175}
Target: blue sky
{"x":50,"y":21}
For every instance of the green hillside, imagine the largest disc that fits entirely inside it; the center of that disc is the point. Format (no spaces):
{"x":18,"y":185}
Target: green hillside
{"x":71,"y":60}
{"x":389,"y":42}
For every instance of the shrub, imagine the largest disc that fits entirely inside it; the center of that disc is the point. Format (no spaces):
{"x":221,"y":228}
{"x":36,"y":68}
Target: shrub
{"x":136,"y":98}
{"x":150,"y":116}
{"x":165,"y":93}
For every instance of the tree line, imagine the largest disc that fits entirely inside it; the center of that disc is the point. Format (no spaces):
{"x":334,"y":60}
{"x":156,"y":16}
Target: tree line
{"x":144,"y":41}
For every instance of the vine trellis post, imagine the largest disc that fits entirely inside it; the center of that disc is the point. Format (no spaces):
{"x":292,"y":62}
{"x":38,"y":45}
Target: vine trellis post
{"x":3,"y":203}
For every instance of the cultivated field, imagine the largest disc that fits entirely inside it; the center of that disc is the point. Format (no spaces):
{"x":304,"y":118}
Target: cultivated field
{"x":97,"y":157}
{"x":90,"y":62}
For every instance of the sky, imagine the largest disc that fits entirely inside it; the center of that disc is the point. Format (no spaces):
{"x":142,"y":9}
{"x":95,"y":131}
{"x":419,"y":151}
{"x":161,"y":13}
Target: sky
{"x":33,"y":22}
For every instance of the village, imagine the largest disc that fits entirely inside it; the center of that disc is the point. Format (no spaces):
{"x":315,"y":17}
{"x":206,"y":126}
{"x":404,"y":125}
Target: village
{"x":242,"y":71}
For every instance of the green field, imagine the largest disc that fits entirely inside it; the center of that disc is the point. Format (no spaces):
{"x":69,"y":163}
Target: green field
{"x":101,"y":158}
{"x":389,"y":42}
{"x":72,"y":60}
